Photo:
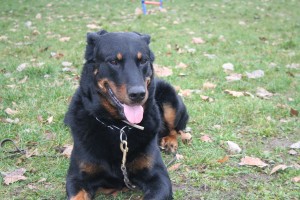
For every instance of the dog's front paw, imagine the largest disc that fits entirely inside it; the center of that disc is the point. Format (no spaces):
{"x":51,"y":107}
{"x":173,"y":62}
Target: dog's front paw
{"x":169,"y":143}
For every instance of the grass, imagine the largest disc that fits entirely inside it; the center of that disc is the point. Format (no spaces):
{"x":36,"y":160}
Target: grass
{"x":251,"y":35}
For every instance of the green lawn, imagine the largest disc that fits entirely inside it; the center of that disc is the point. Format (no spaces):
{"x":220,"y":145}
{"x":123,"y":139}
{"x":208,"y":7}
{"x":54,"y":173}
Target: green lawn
{"x":251,"y":35}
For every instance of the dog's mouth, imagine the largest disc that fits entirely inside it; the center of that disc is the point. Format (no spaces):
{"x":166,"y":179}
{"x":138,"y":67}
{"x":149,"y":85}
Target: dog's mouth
{"x":132,"y":113}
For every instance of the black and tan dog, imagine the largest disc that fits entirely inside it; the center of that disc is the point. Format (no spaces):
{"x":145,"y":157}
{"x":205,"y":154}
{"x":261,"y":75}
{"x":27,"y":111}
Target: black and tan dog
{"x":117,"y":97}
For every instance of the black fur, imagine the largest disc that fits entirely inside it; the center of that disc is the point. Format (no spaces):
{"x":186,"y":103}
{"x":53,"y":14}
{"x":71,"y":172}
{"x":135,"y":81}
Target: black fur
{"x":96,"y":156}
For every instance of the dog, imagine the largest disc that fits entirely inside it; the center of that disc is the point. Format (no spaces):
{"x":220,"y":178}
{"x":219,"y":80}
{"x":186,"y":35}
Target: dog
{"x":118,"y":116}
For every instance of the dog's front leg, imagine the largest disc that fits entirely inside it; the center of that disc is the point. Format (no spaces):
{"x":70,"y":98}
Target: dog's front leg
{"x":158,"y":188}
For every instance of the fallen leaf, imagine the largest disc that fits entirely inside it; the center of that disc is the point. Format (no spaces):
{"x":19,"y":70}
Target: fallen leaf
{"x":31,"y":153}
{"x":205,"y":138}
{"x":233,"y":147}
{"x":263,"y":93}
{"x":225,"y":159}
{"x":162,"y":71}
{"x":174,"y":167}
{"x":209,"y":86}
{"x":64,"y":39}
{"x":22,"y":66}
{"x":181,"y":65}
{"x":292,"y":152}
{"x":56,"y":55}
{"x":234,"y":77}
{"x":93,"y":26}
{"x":14,"y":176}
{"x":66,"y":64}
{"x":50,"y":119}
{"x":185,"y":93}
{"x":293,"y":66}
{"x":198,"y":40}
{"x":295,"y":145}
{"x":12,"y":121}
{"x":255,"y":74}
{"x":228,"y":67}
{"x":294,"y":113}
{"x":49,"y":135}
{"x":251,"y":161}
{"x":234,"y":93}
{"x":185,"y":137}
{"x":10,"y":111}
{"x":206,"y":98}
{"x":40,"y":118}
{"x":179,"y":156}
{"x":296,"y":179}
{"x":278,"y":167}
{"x":68,"y":150}
{"x":38,"y":16}
{"x":210,"y":56}
{"x":22,"y":81}
{"x":138,"y":11}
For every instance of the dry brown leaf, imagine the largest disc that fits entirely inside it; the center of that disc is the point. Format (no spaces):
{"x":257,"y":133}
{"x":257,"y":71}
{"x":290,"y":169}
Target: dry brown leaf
{"x":186,"y":93}
{"x":138,"y":11}
{"x":14,"y":176}
{"x":174,"y":167}
{"x":162,"y":71}
{"x":251,"y":161}
{"x":23,"y":80}
{"x":179,"y":156}
{"x":263,"y":93}
{"x":233,"y":147}
{"x":22,"y":66}
{"x":93,"y":26}
{"x":50,"y":120}
{"x":234,"y":77}
{"x":225,"y":159}
{"x":294,"y":113}
{"x":205,"y":138}
{"x":228,"y":67}
{"x":295,"y":145}
{"x":68,"y":150}
{"x":181,"y":65}
{"x":209,"y":86}
{"x":278,"y":167}
{"x":292,"y":152}
{"x":234,"y":93}
{"x":64,"y":39}
{"x":198,"y":40}
{"x":185,"y":137}
{"x":255,"y":74}
{"x":296,"y":179}
{"x":206,"y":98}
{"x":10,"y":111}
{"x":31,"y":153}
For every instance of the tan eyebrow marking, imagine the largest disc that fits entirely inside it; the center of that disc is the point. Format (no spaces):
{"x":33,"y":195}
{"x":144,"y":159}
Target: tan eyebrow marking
{"x":139,"y":55}
{"x":119,"y":56}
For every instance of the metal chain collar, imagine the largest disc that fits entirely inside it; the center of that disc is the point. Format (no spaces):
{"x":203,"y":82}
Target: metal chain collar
{"x":124,"y":148}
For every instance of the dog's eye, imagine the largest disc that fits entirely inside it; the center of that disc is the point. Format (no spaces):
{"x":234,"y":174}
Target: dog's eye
{"x":113,"y":62}
{"x":143,"y":61}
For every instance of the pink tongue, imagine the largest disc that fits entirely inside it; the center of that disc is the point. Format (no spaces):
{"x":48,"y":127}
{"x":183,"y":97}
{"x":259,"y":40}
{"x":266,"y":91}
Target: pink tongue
{"x":134,"y":114}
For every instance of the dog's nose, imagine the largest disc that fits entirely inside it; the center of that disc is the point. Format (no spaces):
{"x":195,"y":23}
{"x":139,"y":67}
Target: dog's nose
{"x":136,"y":93}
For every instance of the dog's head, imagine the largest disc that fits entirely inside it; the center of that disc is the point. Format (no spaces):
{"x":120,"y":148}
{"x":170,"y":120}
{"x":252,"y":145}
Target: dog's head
{"x":123,"y":71}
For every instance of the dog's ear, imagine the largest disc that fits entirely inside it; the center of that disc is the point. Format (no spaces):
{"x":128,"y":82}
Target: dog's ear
{"x":91,"y":39}
{"x":146,"y":38}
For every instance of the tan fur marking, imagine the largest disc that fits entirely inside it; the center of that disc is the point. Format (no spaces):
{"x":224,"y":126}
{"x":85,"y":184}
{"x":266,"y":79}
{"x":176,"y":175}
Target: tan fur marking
{"x":140,"y":163}
{"x":82,"y":195}
{"x":102,"y":83}
{"x":139,"y":55}
{"x":119,"y":56}
{"x":90,"y":168}
{"x":169,"y":115}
